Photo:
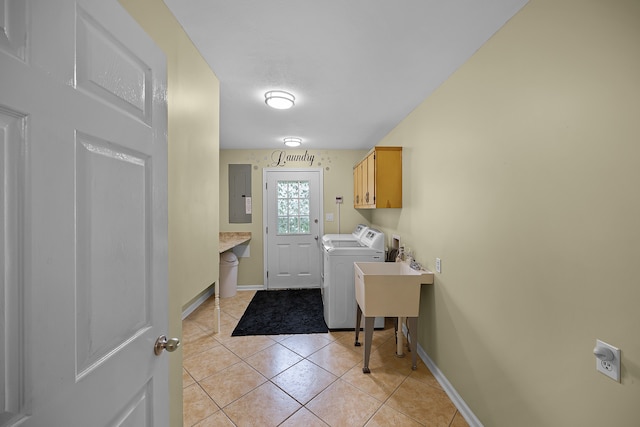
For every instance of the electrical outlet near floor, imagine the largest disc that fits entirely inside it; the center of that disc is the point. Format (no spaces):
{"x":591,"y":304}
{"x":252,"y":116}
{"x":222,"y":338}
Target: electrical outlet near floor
{"x":607,"y":360}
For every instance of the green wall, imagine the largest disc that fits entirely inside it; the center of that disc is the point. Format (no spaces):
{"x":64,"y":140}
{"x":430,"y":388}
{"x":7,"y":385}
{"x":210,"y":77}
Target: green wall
{"x":521,"y":173}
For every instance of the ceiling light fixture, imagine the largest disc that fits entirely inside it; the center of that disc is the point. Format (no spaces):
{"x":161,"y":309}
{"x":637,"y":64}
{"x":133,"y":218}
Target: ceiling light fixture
{"x":292,"y":142}
{"x":279,"y":99}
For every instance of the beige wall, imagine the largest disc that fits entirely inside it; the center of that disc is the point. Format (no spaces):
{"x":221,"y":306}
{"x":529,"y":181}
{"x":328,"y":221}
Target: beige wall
{"x":521,"y":173}
{"x":338,"y":181}
{"x":193,"y":108}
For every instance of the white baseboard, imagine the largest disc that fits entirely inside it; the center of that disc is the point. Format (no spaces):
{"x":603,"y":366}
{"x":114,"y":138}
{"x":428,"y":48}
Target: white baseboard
{"x":250,"y":288}
{"x":195,"y":304}
{"x":209,"y":292}
{"x":456,"y":399}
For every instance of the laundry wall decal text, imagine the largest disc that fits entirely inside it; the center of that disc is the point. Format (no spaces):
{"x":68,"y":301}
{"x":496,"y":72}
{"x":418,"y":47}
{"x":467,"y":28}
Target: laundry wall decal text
{"x":281,"y":158}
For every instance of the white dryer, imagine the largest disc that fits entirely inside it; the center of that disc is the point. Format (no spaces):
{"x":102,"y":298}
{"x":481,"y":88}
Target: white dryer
{"x":338,"y":287}
{"x":355,"y":236}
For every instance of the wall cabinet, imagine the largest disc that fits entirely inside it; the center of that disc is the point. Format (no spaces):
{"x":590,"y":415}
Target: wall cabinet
{"x":377,"y":179}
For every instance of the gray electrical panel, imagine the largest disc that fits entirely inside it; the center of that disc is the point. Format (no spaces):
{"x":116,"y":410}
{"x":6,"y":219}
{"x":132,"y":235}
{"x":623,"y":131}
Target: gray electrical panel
{"x":240,"y":203}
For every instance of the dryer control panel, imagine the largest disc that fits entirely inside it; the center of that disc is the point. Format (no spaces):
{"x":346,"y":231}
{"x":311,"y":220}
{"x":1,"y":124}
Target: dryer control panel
{"x":374,"y":239}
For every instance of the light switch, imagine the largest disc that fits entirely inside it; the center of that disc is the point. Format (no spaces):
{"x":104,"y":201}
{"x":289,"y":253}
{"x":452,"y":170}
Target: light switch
{"x":329,"y":217}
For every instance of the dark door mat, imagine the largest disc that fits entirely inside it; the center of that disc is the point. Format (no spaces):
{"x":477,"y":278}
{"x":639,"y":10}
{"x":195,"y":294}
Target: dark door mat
{"x":278,"y":312}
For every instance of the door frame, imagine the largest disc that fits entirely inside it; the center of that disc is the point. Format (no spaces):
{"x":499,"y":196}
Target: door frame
{"x":265,"y":259}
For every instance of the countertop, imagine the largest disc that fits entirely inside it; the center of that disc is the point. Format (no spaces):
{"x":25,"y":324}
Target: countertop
{"x":230,"y":239}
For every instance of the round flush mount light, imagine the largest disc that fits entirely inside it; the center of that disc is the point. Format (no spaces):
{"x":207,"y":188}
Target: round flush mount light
{"x":279,"y":99}
{"x":292,"y":142}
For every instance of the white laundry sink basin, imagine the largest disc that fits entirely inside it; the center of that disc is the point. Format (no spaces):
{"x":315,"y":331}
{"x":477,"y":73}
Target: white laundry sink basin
{"x":390,"y":289}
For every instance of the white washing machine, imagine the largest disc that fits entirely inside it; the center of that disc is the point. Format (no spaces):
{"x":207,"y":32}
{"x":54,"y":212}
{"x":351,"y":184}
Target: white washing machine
{"x":352,"y":239}
{"x":338,"y":286}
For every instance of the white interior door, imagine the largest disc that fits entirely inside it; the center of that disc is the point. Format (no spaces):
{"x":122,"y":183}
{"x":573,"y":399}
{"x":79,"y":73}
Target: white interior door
{"x":293,"y":217}
{"x":83,"y":289}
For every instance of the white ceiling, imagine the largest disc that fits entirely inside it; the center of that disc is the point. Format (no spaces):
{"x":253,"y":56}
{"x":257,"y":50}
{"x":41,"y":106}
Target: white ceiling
{"x":356,"y":67}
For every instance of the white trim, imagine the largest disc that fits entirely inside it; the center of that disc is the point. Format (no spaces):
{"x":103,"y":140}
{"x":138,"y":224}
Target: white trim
{"x":192,"y":307}
{"x":197,"y":303}
{"x":242,"y":288}
{"x":456,"y":399}
{"x":265,"y":213}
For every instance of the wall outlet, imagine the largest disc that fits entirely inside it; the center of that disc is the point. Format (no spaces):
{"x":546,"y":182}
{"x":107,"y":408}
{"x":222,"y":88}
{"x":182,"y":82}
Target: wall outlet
{"x":329,"y":217}
{"x":607,"y":360}
{"x":438,"y":265}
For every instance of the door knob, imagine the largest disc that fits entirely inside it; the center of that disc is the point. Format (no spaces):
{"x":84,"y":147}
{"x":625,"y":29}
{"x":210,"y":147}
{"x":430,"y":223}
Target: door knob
{"x":162,"y":343}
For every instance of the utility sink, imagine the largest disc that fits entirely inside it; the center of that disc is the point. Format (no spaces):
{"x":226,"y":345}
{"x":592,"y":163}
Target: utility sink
{"x":390,"y":289}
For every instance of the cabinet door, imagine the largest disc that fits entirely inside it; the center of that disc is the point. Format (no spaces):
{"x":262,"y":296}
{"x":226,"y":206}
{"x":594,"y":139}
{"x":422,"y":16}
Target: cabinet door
{"x":360,"y":183}
{"x":369,"y":178}
{"x":388,"y":174}
{"x":356,"y":187}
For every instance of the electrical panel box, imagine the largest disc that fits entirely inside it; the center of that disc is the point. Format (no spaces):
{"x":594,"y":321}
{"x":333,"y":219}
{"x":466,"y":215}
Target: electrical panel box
{"x":240,"y":208}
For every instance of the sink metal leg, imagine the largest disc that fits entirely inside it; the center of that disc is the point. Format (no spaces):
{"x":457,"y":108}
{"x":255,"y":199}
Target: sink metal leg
{"x":396,"y":323}
{"x":399,"y":337}
{"x":368,"y":337}
{"x":412,"y":326}
{"x":358,"y":317}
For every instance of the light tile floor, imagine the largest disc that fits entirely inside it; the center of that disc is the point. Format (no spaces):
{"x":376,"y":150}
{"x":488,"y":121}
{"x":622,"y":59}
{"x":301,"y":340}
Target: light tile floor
{"x":301,"y":380}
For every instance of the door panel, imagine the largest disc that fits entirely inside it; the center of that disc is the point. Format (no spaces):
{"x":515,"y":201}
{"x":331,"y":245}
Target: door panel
{"x":292,"y":212}
{"x":12,"y":362}
{"x":97,"y":51}
{"x":84,"y":210}
{"x":111,"y":194}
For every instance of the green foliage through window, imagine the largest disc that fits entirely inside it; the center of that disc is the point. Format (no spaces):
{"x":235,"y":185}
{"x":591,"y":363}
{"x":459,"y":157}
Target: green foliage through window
{"x":293,"y":207}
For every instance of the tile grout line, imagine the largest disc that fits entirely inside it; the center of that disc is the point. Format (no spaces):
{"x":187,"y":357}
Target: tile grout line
{"x":331,"y":339}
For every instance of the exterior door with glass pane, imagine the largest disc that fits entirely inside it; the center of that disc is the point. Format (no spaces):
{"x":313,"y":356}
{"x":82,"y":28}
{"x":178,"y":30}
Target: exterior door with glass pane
{"x":293,"y":226}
